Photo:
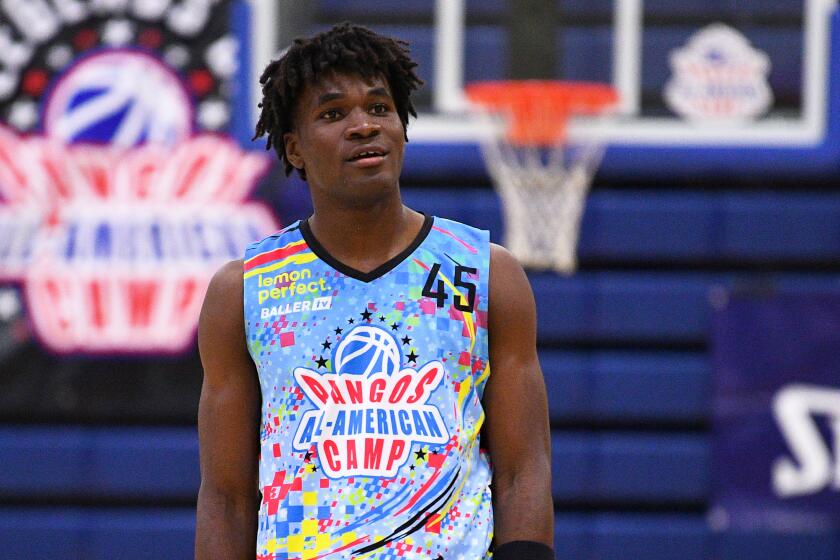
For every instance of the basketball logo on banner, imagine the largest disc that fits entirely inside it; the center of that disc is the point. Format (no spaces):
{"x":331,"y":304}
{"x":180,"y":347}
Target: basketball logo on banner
{"x":719,"y":76}
{"x":119,"y":97}
{"x":119,"y":196}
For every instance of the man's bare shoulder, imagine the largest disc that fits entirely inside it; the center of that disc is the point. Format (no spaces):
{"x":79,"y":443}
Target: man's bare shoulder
{"x":227,"y":281}
{"x":224,"y":292}
{"x":512,"y":309}
{"x":506,"y":274}
{"x":221,"y":326}
{"x":502,"y":258}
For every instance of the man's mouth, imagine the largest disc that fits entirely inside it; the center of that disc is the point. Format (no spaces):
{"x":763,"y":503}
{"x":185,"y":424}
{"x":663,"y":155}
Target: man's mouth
{"x":370,"y":156}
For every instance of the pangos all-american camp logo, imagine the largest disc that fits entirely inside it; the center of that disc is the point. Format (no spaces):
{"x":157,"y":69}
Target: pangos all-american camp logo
{"x":115,"y":215}
{"x":371,"y":410}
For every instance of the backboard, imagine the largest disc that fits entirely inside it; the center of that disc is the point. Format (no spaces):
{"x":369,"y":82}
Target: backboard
{"x":703,"y":84}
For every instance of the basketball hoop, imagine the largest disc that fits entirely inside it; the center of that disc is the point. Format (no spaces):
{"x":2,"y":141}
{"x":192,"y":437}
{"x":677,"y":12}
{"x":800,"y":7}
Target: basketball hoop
{"x":541,"y":174}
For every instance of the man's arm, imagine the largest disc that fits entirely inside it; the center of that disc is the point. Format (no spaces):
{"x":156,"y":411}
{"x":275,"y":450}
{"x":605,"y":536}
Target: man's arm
{"x":228,"y":425}
{"x":516,"y":408}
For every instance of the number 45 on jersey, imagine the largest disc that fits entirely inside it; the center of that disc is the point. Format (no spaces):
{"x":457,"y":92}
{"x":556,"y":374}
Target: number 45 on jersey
{"x":435,"y":288}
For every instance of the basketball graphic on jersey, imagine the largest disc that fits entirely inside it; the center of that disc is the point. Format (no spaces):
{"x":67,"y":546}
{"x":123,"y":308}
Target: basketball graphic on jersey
{"x":370,"y":412}
{"x":367,"y":350}
{"x":119,"y":97}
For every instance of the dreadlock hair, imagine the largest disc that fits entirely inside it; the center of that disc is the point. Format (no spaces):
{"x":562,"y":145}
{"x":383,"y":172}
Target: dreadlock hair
{"x":345,"y":48}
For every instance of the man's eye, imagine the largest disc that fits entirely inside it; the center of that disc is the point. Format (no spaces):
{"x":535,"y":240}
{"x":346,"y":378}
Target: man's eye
{"x":331,"y":114}
{"x":379,"y":108}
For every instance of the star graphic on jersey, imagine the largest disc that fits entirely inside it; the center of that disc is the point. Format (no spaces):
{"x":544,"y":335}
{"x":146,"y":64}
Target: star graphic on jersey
{"x":412,"y":357}
{"x":326,"y":345}
{"x":350,"y":320}
{"x":308,"y":456}
{"x":395,"y":326}
{"x":338,"y":331}
{"x":420,"y":454}
{"x":382,"y":318}
{"x":406,"y":340}
{"x":366,"y":315}
{"x":322,"y":362}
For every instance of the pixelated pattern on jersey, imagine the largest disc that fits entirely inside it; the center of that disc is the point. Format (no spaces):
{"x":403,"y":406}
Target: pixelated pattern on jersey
{"x":371,"y":400}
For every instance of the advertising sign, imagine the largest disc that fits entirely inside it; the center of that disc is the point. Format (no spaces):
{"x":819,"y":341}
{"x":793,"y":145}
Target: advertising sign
{"x":777,"y":412}
{"x":121,"y":191}
{"x":718,"y":76}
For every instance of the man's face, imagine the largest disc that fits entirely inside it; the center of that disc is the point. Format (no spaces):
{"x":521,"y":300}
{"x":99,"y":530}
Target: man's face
{"x":349,"y":139}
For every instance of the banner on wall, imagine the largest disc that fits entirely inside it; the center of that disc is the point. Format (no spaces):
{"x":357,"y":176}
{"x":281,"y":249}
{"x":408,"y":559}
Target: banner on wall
{"x":121,"y":190}
{"x":777,"y":412}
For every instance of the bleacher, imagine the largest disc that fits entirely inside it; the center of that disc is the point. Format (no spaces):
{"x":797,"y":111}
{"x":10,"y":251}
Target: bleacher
{"x":623,"y":343}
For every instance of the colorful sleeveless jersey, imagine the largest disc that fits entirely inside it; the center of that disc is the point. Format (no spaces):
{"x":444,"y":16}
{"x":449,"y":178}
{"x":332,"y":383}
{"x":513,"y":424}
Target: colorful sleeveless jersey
{"x":371,"y":386}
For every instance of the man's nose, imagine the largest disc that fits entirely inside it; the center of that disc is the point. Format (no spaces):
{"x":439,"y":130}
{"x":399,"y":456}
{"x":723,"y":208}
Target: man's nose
{"x":361,"y":125}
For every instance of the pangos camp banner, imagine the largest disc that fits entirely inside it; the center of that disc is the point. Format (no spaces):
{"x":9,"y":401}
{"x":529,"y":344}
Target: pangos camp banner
{"x":777,"y":412}
{"x":122,"y":188}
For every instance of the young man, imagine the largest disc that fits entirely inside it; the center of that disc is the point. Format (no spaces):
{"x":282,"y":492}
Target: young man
{"x":348,"y":358}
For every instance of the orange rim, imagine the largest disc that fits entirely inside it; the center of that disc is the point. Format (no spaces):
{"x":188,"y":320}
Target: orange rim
{"x":540,"y":109}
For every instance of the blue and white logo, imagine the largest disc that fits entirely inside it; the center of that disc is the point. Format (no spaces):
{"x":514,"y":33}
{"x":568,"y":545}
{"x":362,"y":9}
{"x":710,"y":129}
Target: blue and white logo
{"x":120,"y":97}
{"x":718,"y":76}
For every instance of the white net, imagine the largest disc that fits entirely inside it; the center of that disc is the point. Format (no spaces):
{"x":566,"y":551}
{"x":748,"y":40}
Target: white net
{"x":543,"y":189}
{"x":543,"y":193}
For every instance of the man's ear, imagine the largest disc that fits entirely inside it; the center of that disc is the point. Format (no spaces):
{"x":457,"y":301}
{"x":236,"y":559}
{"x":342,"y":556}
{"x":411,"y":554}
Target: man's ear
{"x":290,"y":142}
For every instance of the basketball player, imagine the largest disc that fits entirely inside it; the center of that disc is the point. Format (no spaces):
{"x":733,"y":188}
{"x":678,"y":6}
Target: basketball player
{"x":353,"y":359}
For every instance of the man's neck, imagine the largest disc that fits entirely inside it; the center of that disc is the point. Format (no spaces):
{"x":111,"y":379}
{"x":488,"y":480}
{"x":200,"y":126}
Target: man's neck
{"x":365,"y":237}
